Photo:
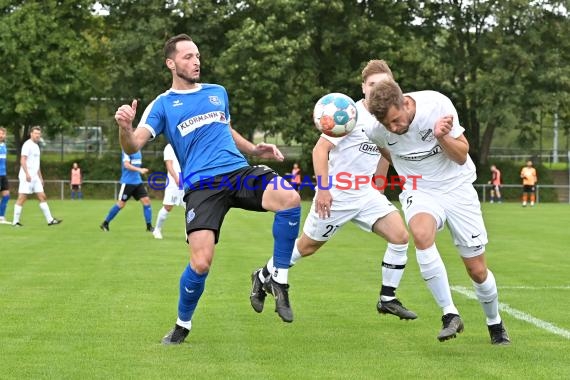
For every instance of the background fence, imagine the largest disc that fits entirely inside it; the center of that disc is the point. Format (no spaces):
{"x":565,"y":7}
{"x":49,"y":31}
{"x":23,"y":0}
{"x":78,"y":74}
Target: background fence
{"x":61,"y":189}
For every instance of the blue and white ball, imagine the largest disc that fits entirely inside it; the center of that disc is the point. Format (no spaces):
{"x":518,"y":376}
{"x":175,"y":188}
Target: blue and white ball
{"x":335,"y":114}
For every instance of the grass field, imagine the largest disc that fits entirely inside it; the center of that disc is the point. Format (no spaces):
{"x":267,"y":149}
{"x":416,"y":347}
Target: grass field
{"x":77,"y":303}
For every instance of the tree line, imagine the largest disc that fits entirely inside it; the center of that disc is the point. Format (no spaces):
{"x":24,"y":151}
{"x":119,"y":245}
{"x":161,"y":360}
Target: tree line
{"x":504,"y":64}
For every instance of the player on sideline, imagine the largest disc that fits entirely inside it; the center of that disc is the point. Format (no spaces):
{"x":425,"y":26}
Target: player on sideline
{"x":529,"y":180}
{"x":195,"y":119}
{"x":31,"y":180}
{"x":4,"y":185}
{"x":365,"y":206}
{"x":495,"y":183}
{"x":173,"y":193}
{"x":421,"y":135}
{"x":131,"y":186}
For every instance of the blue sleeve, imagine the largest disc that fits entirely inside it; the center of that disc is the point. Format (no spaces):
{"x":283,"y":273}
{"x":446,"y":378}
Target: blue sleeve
{"x":153,"y":118}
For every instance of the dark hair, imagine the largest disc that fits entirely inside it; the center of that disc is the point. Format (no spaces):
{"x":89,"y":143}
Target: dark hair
{"x":35,"y":128}
{"x":384,"y":95}
{"x":170,"y":45}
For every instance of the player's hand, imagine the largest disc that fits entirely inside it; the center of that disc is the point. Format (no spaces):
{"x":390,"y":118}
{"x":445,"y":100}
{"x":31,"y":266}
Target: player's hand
{"x":28,"y":178}
{"x":443,"y":126}
{"x":144,"y":171}
{"x":264,"y":150}
{"x":126,"y":114}
{"x":323,"y":203}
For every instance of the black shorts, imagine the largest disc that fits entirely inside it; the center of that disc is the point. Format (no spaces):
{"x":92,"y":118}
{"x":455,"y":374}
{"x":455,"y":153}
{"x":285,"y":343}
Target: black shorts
{"x":4,"y":185}
{"x":208,"y":201}
{"x":135,"y":191}
{"x":75,"y":187}
{"x":529,"y":189}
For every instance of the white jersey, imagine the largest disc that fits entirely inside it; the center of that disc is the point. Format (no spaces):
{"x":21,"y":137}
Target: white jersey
{"x":32,"y":152}
{"x":169,"y":155}
{"x":353,"y":155}
{"x":418,"y":153}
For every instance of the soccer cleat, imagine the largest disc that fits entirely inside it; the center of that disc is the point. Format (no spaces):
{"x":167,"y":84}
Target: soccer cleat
{"x":54,"y":222}
{"x":176,"y":335}
{"x":4,"y":221}
{"x":498,"y":334}
{"x":281,"y":294}
{"x":257,"y":296}
{"x":396,"y":308}
{"x":104,"y":226}
{"x":452,"y":325}
{"x":157,"y":234}
{"x":17,"y":225}
{"x":149,"y":227}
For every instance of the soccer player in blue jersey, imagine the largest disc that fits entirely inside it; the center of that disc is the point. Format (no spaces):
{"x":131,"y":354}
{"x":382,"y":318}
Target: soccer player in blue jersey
{"x":4,"y":186}
{"x":195,"y":119}
{"x":131,"y":186}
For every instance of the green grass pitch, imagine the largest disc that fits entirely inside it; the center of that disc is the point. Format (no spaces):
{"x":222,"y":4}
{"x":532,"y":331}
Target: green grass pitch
{"x":77,"y":303}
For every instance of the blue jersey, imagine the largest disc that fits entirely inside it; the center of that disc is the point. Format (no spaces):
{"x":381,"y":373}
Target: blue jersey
{"x":3,"y":153}
{"x":130,"y":177}
{"x":197,"y":124}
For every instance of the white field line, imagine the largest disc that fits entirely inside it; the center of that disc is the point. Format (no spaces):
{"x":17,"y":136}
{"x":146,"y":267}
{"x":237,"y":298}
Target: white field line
{"x":523,"y":287}
{"x":521,"y":315}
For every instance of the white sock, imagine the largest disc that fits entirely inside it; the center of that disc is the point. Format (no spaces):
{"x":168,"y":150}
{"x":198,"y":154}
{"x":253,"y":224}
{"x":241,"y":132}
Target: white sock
{"x":395,"y":259}
{"x":280,"y":275}
{"x":296,"y":255}
{"x":433,"y":272}
{"x":185,"y":324}
{"x":489,"y":298}
{"x":45,"y":209}
{"x":161,"y":218}
{"x":17,"y":213}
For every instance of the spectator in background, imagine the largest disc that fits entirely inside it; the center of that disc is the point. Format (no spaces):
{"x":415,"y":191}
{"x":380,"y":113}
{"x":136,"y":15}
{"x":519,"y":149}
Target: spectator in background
{"x":529,"y":180}
{"x":495,"y":183}
{"x":4,"y":185}
{"x":76,"y":180}
{"x":296,"y":177}
{"x":31,"y":180}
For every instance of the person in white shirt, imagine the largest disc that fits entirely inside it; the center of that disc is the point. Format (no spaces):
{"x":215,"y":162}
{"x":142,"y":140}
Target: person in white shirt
{"x":31,"y":180}
{"x":344,"y":169}
{"x":173,"y":193}
{"x":420,"y":134}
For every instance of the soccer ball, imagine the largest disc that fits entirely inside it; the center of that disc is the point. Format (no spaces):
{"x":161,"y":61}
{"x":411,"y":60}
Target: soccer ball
{"x":335,"y":114}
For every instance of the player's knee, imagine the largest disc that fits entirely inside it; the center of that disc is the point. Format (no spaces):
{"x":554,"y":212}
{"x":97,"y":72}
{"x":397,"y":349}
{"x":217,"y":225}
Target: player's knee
{"x":290,"y":199}
{"x":423,"y":238}
{"x":200,"y":266}
{"x":478,"y":273}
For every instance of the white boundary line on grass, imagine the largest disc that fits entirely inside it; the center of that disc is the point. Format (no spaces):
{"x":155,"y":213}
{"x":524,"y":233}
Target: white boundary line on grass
{"x":524,"y":287}
{"x":521,"y":315}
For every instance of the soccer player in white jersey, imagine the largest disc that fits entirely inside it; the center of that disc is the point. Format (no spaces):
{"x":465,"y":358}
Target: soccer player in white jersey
{"x":173,"y":193}
{"x":31,"y":180}
{"x":420,"y":134}
{"x":341,"y":160}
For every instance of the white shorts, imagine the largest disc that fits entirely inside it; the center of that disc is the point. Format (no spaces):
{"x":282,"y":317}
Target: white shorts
{"x":173,"y":197}
{"x":461,"y":210}
{"x":364,"y":211}
{"x":34,"y":186}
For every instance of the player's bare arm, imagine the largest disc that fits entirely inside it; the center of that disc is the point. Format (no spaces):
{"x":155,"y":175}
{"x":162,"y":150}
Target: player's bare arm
{"x":24,"y":165}
{"x":323,"y":199}
{"x":381,"y":173}
{"x":455,"y":148}
{"x":133,"y":168}
{"x":262,"y":150}
{"x":132,"y":140}
{"x":170,"y":169}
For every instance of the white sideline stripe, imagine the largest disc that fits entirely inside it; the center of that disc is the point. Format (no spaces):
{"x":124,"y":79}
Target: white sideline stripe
{"x":563,"y":287}
{"x":521,"y":315}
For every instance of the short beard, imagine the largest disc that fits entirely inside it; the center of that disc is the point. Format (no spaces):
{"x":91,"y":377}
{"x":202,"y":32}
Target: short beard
{"x":188,"y":79}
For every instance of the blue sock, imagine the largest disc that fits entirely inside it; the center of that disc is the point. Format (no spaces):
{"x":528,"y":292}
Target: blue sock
{"x":80,"y":195}
{"x":285,"y":231}
{"x":147,"y":211}
{"x":72,"y":194}
{"x":4,"y":204}
{"x":191,"y":289}
{"x":112,"y":213}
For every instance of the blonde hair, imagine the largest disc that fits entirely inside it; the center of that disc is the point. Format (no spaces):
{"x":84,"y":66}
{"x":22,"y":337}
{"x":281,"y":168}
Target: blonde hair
{"x":376,"y":66}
